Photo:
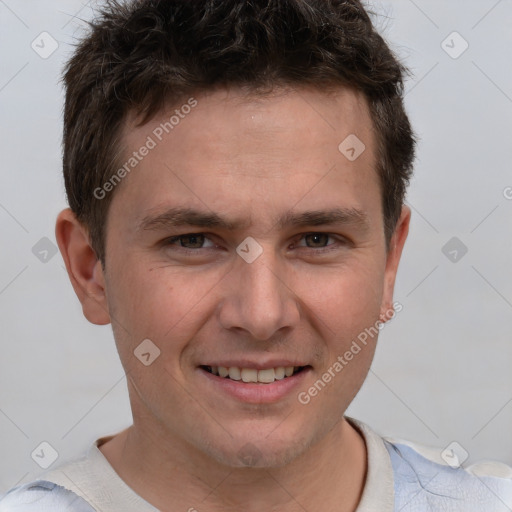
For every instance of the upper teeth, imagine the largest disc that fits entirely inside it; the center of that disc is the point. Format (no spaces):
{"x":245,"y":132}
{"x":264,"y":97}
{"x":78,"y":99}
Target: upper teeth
{"x":265,"y":376}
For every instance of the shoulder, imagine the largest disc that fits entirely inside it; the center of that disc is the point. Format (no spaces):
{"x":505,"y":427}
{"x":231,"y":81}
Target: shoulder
{"x":42,"y":496}
{"x":424,"y":480}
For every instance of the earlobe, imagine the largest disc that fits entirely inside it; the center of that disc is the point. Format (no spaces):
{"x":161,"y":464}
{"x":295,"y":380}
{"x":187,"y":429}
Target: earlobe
{"x":396,"y":246}
{"x":84,"y":269}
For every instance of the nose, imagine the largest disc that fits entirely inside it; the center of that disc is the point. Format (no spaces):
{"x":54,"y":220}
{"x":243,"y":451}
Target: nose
{"x":258,"y":298}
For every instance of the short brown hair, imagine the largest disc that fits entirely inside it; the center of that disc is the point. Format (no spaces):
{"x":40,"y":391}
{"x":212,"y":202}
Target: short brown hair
{"x":141,"y":54}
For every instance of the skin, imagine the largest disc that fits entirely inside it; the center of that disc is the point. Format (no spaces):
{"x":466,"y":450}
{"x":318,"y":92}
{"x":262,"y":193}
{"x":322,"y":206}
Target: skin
{"x":248,"y":159}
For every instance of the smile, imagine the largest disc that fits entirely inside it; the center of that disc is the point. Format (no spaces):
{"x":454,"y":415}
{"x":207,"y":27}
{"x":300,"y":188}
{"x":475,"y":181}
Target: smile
{"x":247,"y":375}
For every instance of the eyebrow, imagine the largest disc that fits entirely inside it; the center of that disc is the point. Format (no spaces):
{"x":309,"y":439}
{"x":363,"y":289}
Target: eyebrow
{"x":181,"y":217}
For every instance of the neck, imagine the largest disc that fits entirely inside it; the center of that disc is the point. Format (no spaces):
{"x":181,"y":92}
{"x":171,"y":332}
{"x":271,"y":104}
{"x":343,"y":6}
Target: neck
{"x":329,"y":476}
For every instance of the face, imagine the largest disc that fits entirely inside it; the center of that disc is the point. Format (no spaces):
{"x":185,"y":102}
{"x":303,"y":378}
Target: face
{"x":246,"y":240}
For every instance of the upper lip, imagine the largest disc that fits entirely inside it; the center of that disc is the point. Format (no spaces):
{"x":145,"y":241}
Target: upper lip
{"x":259,"y":365}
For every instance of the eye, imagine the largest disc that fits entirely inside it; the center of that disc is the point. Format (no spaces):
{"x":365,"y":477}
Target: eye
{"x":189,"y":241}
{"x":318,"y":240}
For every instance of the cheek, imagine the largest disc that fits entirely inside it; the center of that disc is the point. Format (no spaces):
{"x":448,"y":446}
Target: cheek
{"x":158,"y":302}
{"x":345,"y":299}
{"x":345,"y":305}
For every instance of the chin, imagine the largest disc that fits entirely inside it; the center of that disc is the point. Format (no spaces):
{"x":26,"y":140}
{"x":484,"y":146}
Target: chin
{"x":265,"y":452}
{"x":251,"y":455}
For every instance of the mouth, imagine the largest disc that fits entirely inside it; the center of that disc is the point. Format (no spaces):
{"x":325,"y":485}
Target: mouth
{"x":253,"y":375}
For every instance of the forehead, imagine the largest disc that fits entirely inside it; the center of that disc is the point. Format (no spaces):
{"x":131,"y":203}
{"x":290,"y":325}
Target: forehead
{"x":237,"y":113}
{"x":230,"y":151}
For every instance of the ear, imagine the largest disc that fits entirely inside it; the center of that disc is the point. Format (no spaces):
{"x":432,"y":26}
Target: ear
{"x":84,"y":269}
{"x":396,"y":246}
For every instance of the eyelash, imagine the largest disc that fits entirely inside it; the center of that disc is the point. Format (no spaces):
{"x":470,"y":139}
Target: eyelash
{"x":170,"y":241}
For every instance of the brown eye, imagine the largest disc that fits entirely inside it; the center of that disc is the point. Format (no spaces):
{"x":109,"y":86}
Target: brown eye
{"x":190,"y":241}
{"x":316,"y":240}
{"x":194,"y":241}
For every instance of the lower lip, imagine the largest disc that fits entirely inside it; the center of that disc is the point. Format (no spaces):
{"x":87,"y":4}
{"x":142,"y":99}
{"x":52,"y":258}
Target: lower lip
{"x":257,"y":393}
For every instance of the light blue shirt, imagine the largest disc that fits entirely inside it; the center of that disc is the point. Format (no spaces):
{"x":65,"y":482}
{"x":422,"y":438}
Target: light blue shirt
{"x":399,"y":479}
{"x":42,"y":496}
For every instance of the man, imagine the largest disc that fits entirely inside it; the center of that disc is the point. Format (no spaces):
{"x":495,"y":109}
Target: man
{"x":236,"y":174}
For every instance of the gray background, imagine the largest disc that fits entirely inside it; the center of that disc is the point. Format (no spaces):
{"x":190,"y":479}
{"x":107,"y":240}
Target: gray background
{"x":442,"y":370}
